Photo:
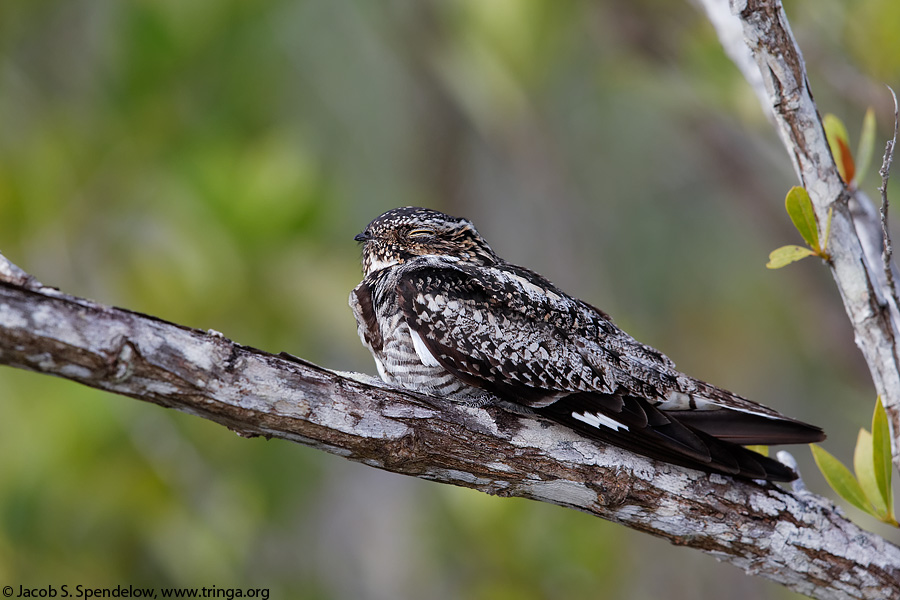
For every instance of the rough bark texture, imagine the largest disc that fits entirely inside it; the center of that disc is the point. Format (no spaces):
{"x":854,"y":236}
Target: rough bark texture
{"x":792,"y":537}
{"x":855,"y":243}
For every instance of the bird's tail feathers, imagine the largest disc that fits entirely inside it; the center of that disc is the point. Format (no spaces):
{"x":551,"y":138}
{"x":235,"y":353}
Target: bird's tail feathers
{"x":634,"y":424}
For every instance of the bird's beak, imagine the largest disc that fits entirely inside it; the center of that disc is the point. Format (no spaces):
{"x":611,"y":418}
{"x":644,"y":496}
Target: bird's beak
{"x":361,"y":237}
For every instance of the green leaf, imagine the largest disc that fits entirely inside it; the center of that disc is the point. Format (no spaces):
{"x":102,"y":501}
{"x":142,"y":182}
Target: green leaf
{"x":866,"y":146}
{"x":785,"y":255}
{"x":865,"y":473}
{"x":840,"y":479}
{"x":839,"y":142}
{"x":800,"y":209}
{"x":881,"y":456}
{"x":764,"y":450}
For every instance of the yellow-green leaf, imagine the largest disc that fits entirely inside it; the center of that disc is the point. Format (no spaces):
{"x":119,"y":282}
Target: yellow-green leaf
{"x":865,"y":473}
{"x":785,"y":255}
{"x":866,"y":145}
{"x":881,"y":456}
{"x":800,"y":209}
{"x":839,"y":142}
{"x":840,"y":478}
{"x":764,"y":450}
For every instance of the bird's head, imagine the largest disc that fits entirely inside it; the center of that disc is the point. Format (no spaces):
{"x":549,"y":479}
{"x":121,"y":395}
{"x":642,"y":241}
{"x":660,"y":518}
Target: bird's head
{"x":403,"y":234}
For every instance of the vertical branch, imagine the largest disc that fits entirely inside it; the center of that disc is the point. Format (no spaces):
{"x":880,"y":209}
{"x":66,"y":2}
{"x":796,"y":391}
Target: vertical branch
{"x":856,"y":242}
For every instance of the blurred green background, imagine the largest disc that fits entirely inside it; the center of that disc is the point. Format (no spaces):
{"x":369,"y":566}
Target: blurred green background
{"x":209,"y":161}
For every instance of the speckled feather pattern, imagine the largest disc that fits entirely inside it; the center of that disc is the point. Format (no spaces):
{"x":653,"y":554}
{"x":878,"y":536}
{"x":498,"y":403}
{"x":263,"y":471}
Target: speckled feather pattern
{"x":442,"y":314}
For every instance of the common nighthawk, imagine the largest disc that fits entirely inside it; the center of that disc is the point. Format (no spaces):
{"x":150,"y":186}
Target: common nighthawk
{"x":444,"y":315}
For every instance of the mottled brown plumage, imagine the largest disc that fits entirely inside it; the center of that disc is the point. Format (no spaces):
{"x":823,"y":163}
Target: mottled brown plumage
{"x":442,"y":314}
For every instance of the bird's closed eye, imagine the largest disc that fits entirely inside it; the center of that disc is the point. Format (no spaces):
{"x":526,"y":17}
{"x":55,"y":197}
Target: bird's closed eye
{"x":420,"y":233}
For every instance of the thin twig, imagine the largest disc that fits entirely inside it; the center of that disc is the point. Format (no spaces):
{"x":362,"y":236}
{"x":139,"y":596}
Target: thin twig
{"x":885,"y":172}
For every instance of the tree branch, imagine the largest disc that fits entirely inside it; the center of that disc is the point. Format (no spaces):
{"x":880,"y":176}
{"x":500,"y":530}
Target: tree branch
{"x":791,"y":537}
{"x":795,"y":538}
{"x":856,"y":243}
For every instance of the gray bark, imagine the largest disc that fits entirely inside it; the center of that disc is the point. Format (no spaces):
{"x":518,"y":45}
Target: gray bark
{"x":793,"y":537}
{"x":855,"y":244}
{"x":789,"y":536}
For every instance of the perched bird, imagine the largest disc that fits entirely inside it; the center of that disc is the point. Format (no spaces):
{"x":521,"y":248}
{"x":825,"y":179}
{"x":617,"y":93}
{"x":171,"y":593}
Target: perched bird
{"x":444,"y":315}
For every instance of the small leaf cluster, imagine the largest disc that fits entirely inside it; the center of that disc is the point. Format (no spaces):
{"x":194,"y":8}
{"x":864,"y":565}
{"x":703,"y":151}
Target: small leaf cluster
{"x":800,"y":209}
{"x":870,"y":490}
{"x":798,"y":203}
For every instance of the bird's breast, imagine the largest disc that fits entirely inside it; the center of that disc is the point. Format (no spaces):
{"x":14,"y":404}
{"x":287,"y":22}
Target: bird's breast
{"x":402,"y":357}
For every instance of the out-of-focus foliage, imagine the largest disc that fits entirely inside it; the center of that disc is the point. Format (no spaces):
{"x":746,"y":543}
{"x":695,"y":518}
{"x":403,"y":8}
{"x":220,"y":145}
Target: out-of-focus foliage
{"x":209,"y":161}
{"x":839,"y":143}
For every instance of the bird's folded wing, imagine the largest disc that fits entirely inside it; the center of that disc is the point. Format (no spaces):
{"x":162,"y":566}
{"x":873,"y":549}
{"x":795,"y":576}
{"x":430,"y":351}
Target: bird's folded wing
{"x":500,"y":331}
{"x":511,"y":332}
